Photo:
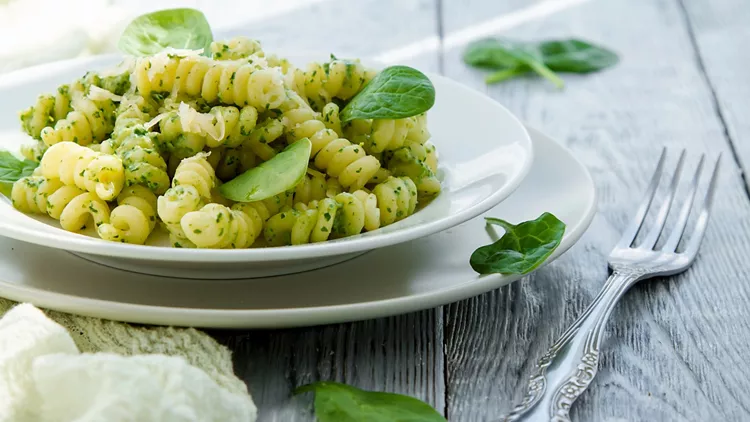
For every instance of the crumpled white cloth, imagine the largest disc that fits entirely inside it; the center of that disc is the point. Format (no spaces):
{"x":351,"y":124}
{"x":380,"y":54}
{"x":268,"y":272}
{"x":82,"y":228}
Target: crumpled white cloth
{"x":126,"y":373}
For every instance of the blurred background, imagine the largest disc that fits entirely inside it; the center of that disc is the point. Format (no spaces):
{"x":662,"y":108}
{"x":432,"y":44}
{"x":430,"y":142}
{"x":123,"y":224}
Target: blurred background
{"x":403,"y":31}
{"x":48,"y":30}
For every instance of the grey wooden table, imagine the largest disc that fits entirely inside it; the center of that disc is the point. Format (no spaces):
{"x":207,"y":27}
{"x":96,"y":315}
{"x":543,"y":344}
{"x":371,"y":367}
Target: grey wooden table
{"x":676,"y":348}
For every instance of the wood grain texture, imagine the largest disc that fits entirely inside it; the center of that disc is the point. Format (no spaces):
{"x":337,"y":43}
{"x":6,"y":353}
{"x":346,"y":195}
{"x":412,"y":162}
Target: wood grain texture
{"x":721,"y":35}
{"x":675,"y":348}
{"x":401,"y":354}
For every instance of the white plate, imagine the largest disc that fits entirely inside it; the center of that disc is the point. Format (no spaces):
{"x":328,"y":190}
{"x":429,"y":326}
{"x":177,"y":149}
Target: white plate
{"x":484,"y":150}
{"x":416,"y":275}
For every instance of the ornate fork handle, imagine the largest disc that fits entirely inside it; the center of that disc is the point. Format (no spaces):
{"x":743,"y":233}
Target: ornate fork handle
{"x":569,"y":366}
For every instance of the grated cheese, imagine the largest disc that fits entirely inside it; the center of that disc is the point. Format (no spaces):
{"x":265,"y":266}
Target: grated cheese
{"x":100,"y":94}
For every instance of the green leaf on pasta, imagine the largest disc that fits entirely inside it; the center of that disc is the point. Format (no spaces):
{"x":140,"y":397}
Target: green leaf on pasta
{"x":279,"y":174}
{"x":12,"y":169}
{"x":176,"y":28}
{"x":396,"y":92}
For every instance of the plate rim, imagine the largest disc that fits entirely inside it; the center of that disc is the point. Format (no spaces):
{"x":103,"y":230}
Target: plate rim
{"x":291,"y":317}
{"x":86,"y":245}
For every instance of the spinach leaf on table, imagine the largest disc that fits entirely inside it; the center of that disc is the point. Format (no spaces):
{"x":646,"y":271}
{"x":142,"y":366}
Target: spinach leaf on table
{"x":335,"y":402}
{"x":511,"y":58}
{"x":576,"y":56}
{"x":523,"y":247}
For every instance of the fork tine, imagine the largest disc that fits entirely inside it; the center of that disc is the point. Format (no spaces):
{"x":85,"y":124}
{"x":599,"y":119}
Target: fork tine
{"x":700,"y":226}
{"x":661,"y":216}
{"x":628,"y":236}
{"x":674,"y":238}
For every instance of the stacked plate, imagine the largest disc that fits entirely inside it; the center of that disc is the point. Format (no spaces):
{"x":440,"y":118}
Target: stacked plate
{"x":489,"y":164}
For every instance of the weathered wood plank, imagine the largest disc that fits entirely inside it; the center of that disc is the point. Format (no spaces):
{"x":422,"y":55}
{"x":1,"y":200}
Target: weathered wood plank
{"x":675,"y":348}
{"x":720,"y":31}
{"x":401,"y":354}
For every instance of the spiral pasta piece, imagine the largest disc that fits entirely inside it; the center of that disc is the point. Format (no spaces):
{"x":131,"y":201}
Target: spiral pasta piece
{"x":316,"y":186}
{"x":387,"y":135}
{"x":72,"y":206}
{"x":186,"y":131}
{"x":235,"y":49}
{"x":29,"y":194}
{"x":220,"y":226}
{"x":34,"y":151}
{"x":47,"y":110}
{"x":135,"y":146}
{"x":230,"y":82}
{"x":134,"y":217}
{"x":331,"y":118}
{"x":237,"y":125}
{"x":231,"y":162}
{"x":306,"y":224}
{"x":261,"y":138}
{"x":321,"y":83}
{"x":90,"y":121}
{"x":181,"y":143}
{"x":337,"y":156}
{"x":192,"y":187}
{"x":217,"y":226}
{"x":397,"y":199}
{"x":416,"y":162}
{"x":346,"y":214}
{"x":101,"y":174}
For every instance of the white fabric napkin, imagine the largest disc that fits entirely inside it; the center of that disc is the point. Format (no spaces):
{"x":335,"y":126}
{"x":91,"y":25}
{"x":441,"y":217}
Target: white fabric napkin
{"x":125,"y":373}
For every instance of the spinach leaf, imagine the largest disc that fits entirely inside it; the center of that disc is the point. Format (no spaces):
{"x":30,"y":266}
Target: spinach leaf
{"x":12,"y":169}
{"x":336,"y":402}
{"x":279,"y":174}
{"x":514,"y":58}
{"x":492,"y":54}
{"x":394,"y":93}
{"x":522,"y":248}
{"x":177,"y":28}
{"x":506,"y":55}
{"x":576,"y":56}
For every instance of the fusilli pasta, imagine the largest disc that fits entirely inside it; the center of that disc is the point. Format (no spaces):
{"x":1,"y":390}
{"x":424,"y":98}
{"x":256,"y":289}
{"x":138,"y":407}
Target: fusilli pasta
{"x":72,"y":206}
{"x":133,"y":219}
{"x":101,"y":174}
{"x":149,"y":143}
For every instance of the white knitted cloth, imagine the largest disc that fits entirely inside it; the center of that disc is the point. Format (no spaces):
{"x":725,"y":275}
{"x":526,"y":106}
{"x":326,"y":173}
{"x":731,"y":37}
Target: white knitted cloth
{"x":92,"y":335}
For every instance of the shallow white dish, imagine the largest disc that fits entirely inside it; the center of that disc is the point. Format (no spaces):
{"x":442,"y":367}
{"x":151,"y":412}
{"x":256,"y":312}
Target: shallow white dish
{"x":416,"y":275}
{"x":485,"y":152}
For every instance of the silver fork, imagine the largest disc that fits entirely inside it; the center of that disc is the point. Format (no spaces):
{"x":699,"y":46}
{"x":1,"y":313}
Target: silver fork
{"x":569,"y":366}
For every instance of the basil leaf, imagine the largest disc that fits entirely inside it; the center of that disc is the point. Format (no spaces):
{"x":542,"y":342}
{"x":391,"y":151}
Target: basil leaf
{"x":177,"y":28}
{"x":576,"y":56}
{"x":394,"y":93}
{"x":504,"y":54}
{"x":12,"y":169}
{"x":279,"y":174}
{"x":522,"y":248}
{"x":335,"y":402}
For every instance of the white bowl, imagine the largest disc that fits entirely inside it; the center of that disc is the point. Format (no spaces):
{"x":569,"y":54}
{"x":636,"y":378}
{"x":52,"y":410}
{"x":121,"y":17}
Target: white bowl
{"x":485,"y":152}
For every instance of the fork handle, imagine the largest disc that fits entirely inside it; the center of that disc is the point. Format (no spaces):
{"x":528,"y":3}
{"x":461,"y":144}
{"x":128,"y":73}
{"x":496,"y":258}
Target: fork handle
{"x":569,"y":366}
